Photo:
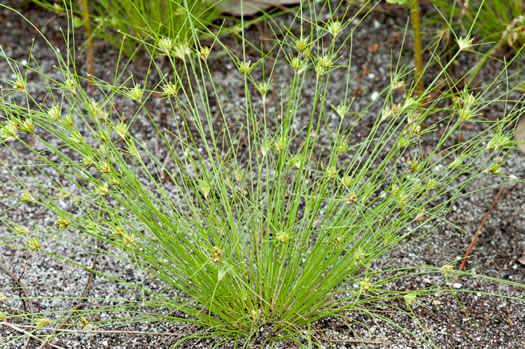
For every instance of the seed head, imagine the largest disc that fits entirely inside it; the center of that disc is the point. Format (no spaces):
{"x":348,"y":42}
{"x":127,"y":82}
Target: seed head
{"x":170,"y":89}
{"x":420,"y":216}
{"x":33,"y":244}
{"x":413,"y":129}
{"x":334,"y":28}
{"x":415,"y":165}
{"x":301,"y":45}
{"x":9,"y":131}
{"x":75,"y":136}
{"x":410,"y":103}
{"x":70,"y":85}
{"x":121,"y":129}
{"x":323,"y":64}
{"x":245,"y":67}
{"x":88,"y":160}
{"x":397,"y":83}
{"x":295,"y":161}
{"x":365,"y":285}
{"x":263,"y":88}
{"x":280,"y":144}
{"x":205,"y":52}
{"x":165,"y":46}
{"x":63,"y":222}
{"x":466,"y":99}
{"x":494,"y":168}
{"x":282,"y":237}
{"x":42,"y":322}
{"x":405,"y":141}
{"x":119,"y":231}
{"x":21,"y":230}
{"x":128,"y":239}
{"x":465,"y":114}
{"x":182,"y":50}
{"x":410,"y":298}
{"x":54,"y":112}
{"x":84,"y":322}
{"x":27,"y":197}
{"x":68,"y":120}
{"x":28,"y":126}
{"x":331,"y":172}
{"x":105,"y":167}
{"x":217,"y":254}
{"x":432,"y":184}
{"x":342,"y":110}
{"x":135,"y":93}
{"x":465,"y":43}
{"x":103,"y":190}
{"x":402,"y":199}
{"x":499,"y":141}
{"x":255,"y":314}
{"x":205,"y":189}
{"x":342,"y":147}
{"x":265,"y":148}
{"x":447,"y":269}
{"x":346,"y":180}
{"x":19,"y":84}
{"x":298,"y":64}
{"x":96,"y":110}
{"x":351,"y":198}
{"x":388,"y":112}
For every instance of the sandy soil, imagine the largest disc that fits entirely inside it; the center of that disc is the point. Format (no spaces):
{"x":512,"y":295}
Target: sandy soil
{"x":472,"y":320}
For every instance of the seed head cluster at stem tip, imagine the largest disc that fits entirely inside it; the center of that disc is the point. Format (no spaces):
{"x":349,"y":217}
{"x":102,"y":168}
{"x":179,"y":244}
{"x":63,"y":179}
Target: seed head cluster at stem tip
{"x":19,"y":84}
{"x":282,"y":236}
{"x":165,"y":46}
{"x":170,"y":89}
{"x":465,"y":43}
{"x":334,"y":28}
{"x":263,"y":88}
{"x":205,"y":52}
{"x":245,"y":67}
{"x":54,"y":112}
{"x":181,"y":50}
{"x":323,"y":64}
{"x":298,"y":64}
{"x":301,"y":45}
{"x":9,"y":131}
{"x":342,"y":110}
{"x":33,"y":244}
{"x":135,"y":93}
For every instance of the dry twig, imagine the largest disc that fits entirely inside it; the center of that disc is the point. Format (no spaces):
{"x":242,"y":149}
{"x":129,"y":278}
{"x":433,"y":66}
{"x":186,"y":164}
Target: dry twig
{"x":480,"y":227}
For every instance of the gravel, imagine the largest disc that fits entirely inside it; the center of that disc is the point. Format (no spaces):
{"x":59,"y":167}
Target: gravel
{"x":466,"y":320}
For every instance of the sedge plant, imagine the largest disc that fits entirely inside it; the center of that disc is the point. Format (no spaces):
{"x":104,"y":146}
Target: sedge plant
{"x":497,"y":21}
{"x":268,"y":215}
{"x":149,"y":21}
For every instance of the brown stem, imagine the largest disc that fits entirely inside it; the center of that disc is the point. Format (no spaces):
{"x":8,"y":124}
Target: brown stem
{"x":87,"y":26}
{"x":418,"y":49}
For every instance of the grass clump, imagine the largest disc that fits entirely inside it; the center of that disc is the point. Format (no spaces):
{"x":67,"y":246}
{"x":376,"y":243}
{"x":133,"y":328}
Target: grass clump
{"x":497,"y":21}
{"x":271,"y":220}
{"x":148,"y":21}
